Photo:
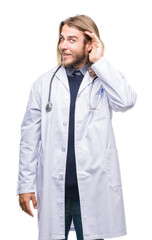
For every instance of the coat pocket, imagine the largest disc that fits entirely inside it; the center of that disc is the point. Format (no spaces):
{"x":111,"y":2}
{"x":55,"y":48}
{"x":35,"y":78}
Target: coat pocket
{"x":113,"y":168}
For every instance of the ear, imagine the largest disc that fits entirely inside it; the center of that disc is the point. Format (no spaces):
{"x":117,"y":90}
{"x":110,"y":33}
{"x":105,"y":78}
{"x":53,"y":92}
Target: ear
{"x":89,"y":46}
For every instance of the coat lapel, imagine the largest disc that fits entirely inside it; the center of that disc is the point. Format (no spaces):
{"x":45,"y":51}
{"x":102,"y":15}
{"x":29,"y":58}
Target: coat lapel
{"x":62,"y":76}
{"x":87,"y":80}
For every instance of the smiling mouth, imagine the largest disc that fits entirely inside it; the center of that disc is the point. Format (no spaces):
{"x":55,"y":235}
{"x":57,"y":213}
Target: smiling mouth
{"x":65,"y":55}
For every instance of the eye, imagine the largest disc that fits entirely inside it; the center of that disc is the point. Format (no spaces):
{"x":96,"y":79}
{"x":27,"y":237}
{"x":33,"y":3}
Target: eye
{"x":72,"y":40}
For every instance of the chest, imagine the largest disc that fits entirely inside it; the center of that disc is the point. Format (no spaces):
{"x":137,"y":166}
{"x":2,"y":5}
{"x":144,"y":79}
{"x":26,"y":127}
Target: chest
{"x":90,"y":102}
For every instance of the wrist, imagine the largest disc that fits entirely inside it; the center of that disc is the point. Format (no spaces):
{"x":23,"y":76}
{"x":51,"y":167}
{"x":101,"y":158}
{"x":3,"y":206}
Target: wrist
{"x":97,"y":58}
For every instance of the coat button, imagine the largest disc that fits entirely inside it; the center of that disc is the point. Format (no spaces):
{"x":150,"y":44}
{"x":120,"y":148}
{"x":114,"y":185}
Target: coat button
{"x":61,"y":177}
{"x":63,"y":149}
{"x":64,"y":123}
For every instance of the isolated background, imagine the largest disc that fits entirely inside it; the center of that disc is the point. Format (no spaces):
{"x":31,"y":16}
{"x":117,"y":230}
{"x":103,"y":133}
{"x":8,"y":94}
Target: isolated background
{"x":29,"y":33}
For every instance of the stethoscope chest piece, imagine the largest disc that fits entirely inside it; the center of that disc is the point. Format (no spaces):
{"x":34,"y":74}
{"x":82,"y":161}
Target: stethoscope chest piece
{"x":49,"y":106}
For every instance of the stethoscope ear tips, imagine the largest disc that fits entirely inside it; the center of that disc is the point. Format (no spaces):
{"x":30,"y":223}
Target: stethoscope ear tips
{"x":49,"y":107}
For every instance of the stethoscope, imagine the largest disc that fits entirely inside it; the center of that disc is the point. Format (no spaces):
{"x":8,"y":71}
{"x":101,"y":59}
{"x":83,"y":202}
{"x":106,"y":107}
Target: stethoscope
{"x":49,"y":104}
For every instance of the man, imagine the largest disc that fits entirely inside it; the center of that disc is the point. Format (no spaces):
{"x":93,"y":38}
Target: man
{"x":68,"y":148}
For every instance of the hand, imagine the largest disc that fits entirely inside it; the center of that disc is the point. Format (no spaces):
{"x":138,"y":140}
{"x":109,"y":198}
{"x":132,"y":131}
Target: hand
{"x":97,"y":48}
{"x":24,"y":201}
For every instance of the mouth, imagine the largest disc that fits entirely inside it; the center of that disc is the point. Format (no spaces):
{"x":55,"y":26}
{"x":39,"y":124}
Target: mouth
{"x":64,"y":55}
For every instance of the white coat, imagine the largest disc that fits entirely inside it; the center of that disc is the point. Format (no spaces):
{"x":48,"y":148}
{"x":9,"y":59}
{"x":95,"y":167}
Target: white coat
{"x":43,"y":151}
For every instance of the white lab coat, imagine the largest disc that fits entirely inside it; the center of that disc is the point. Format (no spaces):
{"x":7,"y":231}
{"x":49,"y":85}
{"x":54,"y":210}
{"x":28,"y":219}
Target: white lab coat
{"x":43,"y":151}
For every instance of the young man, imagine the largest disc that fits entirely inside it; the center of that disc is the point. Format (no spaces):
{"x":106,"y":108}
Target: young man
{"x":68,"y":148}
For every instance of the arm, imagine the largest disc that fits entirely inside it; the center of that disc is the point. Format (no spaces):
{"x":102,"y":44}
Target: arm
{"x":29,"y":147}
{"x":120,"y":94}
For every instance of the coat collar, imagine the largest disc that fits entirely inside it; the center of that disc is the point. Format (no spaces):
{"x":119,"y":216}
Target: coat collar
{"x":62,"y":76}
{"x":83,"y":70}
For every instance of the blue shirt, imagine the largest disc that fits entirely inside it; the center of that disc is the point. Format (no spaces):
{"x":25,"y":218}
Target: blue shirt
{"x":83,"y":70}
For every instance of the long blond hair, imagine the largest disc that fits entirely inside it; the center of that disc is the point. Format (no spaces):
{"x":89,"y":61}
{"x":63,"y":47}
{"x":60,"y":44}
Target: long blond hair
{"x":82,"y":23}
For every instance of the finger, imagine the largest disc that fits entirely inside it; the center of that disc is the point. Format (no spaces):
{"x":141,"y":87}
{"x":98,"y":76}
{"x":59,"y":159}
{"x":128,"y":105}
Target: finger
{"x":22,"y":206}
{"x":27,"y":208}
{"x":34,"y":202}
{"x":21,"y":203}
{"x":93,"y":36}
{"x":89,"y":34}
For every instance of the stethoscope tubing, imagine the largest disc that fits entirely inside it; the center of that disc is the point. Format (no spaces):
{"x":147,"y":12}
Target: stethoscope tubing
{"x":49,"y":104}
{"x":50,"y":87}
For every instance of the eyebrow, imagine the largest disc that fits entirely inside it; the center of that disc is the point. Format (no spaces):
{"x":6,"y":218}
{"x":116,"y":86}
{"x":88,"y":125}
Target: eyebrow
{"x":69,"y":36}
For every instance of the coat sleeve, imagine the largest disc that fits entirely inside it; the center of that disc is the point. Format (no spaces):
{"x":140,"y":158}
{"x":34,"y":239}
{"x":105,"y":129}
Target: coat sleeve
{"x":30,"y":142}
{"x":120,"y":94}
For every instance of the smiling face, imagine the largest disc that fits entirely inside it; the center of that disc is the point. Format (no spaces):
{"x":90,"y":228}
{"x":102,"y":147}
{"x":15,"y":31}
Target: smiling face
{"x":74,"y":52}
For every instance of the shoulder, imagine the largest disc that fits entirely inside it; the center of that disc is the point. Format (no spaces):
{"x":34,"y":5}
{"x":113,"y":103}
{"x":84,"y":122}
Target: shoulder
{"x":44,"y":78}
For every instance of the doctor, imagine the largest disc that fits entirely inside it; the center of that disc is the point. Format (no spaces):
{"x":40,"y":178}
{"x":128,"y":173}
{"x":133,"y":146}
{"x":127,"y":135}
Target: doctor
{"x":69,"y":166}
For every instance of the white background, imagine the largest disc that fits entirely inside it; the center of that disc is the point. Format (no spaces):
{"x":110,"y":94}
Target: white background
{"x":29,"y":33}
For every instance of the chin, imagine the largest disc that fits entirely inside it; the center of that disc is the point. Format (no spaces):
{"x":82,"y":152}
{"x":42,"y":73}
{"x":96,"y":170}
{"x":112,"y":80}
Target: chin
{"x":66,"y":64}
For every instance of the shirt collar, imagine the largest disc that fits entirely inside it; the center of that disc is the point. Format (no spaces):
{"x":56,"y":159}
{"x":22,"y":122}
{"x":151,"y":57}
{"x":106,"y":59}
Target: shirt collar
{"x":83,"y":70}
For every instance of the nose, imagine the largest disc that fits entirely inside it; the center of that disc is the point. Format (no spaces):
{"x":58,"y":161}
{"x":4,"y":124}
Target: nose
{"x":63,"y":45}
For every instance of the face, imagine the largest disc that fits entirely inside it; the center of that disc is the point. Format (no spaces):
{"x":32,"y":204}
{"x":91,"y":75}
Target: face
{"x":73,"y":50}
